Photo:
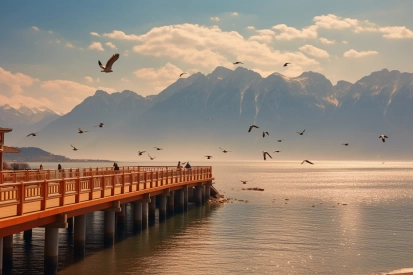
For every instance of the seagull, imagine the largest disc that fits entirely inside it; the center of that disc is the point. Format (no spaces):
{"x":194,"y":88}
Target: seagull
{"x":80,"y":131}
{"x":157,"y":148}
{"x":32,"y":134}
{"x":99,"y":125}
{"x":244,"y":181}
{"x":263,"y":134}
{"x":152,"y":158}
{"x":236,"y":63}
{"x":108,"y":67}
{"x":302,"y":133}
{"x":279,"y":140}
{"x":345,"y":144}
{"x":252,"y":126}
{"x":141,"y":152}
{"x":265,"y":153}
{"x":276,"y":151}
{"x":208,"y":119}
{"x":223,"y":150}
{"x":383,"y":138}
{"x":307,"y":161}
{"x":208,"y":157}
{"x":285,"y":64}
{"x":74,"y":148}
{"x":182,"y":74}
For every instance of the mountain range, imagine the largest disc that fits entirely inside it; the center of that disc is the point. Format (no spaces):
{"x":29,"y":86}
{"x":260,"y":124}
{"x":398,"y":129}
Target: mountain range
{"x":176,"y":119}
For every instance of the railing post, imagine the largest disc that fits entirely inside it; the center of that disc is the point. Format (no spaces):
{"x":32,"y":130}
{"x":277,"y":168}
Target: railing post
{"x":130,"y":181}
{"x":151,"y":178}
{"x":21,"y":195}
{"x":27,"y":175}
{"x":122,"y":189}
{"x":91,"y":186}
{"x":103,"y":186}
{"x":112,"y":192}
{"x":77,"y":189}
{"x":44,"y":195}
{"x":62,"y":191}
{"x":145,"y":177}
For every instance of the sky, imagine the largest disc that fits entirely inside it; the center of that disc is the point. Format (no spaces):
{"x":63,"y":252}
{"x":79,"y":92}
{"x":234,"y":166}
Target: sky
{"x":50,"y":49}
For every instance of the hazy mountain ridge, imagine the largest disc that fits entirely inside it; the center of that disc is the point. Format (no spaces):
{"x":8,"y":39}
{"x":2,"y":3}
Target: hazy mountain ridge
{"x":234,"y":99}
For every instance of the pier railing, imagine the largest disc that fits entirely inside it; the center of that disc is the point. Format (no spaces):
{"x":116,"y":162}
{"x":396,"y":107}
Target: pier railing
{"x":31,"y":191}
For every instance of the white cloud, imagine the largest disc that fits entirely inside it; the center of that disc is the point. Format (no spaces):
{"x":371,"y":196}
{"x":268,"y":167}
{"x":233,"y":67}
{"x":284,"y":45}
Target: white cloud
{"x":289,"y":33}
{"x":332,"y":21}
{"x":209,"y":46}
{"x":89,"y":79}
{"x":35,"y":28}
{"x":160,"y":78}
{"x":250,"y":28}
{"x":354,"y":54}
{"x":96,"y":46}
{"x":265,"y":36}
{"x":94,"y":34}
{"x":326,"y":41}
{"x":16,"y":81}
{"x":51,"y":32}
{"x":121,"y":36}
{"x":344,"y":42}
{"x":69,"y":45}
{"x":316,"y":52}
{"x":110,"y":45}
{"x":124,"y":79}
{"x":97,"y":80}
{"x":58,"y":41}
{"x":234,"y":13}
{"x":397,"y":32}
{"x":216,"y":18}
{"x":126,"y":53}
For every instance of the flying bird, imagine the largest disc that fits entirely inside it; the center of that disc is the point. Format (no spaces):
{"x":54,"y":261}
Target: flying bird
{"x":285,"y":64}
{"x":208,"y":119}
{"x":279,"y":140}
{"x":236,"y":63}
{"x":74,"y":148}
{"x":244,"y":181}
{"x":141,"y":152}
{"x":223,"y":150}
{"x":383,"y":138}
{"x":276,"y":151}
{"x":108,"y":67}
{"x":307,"y":161}
{"x":265,"y":153}
{"x":99,"y":125}
{"x":263,"y":134}
{"x":301,"y":133}
{"x":208,"y":157}
{"x":32,"y":134}
{"x":80,"y":131}
{"x":345,"y":144}
{"x":182,"y":74}
{"x":157,"y":148}
{"x":152,"y":158}
{"x":252,"y":126}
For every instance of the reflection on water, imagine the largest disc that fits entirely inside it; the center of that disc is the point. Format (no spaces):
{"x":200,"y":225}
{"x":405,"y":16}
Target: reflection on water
{"x":340,"y":218}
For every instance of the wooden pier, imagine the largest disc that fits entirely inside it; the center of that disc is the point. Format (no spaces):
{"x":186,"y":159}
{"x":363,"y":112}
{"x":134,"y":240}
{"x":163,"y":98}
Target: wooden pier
{"x":51,"y":198}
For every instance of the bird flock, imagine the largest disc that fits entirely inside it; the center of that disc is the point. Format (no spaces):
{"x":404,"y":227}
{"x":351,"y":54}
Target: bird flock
{"x":108,"y":69}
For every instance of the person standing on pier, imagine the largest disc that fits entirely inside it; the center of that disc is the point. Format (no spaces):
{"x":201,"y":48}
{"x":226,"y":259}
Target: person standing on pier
{"x":179,"y":165}
{"x":188,"y":166}
{"x":116,"y":166}
{"x":59,"y":167}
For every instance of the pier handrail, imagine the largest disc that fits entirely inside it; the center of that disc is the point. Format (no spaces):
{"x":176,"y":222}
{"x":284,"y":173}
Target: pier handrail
{"x":120,"y":182}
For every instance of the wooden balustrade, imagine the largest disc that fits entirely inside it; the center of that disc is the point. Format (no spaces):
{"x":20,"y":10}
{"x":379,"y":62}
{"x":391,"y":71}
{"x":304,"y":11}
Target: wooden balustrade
{"x":97,"y":183}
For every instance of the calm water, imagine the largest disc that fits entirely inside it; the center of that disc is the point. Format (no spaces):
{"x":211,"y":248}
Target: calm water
{"x":310,"y":233}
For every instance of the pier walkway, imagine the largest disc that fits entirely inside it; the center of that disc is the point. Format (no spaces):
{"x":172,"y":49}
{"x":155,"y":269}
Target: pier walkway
{"x":51,"y":198}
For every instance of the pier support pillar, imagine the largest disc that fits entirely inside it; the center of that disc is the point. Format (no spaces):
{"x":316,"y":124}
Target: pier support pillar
{"x":207,"y":191}
{"x":70,"y":222}
{"x":171,"y":202}
{"x":162,"y":206}
{"x":8,"y":251}
{"x":1,"y":255}
{"x":185,"y":188}
{"x":51,"y":243}
{"x":80,"y":236}
{"x":145,"y":213}
{"x":27,"y":235}
{"x":181,"y":200}
{"x":137,"y":216}
{"x":198,"y":194}
{"x":152,"y":208}
{"x":122,"y":214}
{"x":110,"y":223}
